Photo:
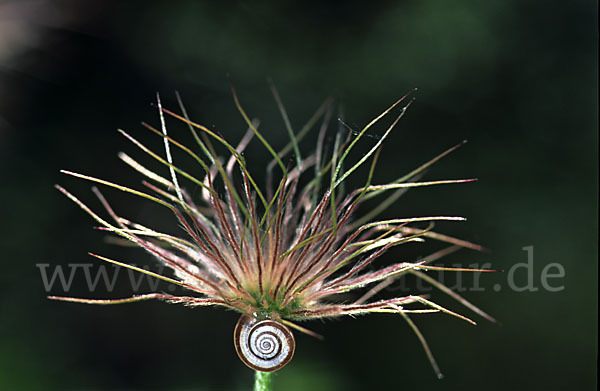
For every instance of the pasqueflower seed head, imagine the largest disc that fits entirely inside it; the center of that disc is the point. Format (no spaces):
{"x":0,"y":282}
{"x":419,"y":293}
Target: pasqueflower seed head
{"x":285,"y":253}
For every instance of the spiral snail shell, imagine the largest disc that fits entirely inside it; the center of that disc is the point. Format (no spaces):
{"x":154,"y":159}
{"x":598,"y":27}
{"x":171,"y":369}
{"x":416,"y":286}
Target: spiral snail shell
{"x":263,"y":345}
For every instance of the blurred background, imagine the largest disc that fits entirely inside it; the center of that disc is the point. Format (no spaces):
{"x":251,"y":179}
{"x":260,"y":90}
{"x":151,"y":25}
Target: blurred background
{"x":517,"y":78}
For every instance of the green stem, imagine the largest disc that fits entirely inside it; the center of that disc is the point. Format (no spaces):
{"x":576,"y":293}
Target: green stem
{"x":262,"y":381}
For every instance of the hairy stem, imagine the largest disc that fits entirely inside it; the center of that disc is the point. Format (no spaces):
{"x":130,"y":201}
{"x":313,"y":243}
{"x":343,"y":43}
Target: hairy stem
{"x":262,"y":381}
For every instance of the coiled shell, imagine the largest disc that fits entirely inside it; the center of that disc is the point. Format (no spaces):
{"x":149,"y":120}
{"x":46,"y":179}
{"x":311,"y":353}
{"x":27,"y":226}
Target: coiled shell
{"x":263,"y":345}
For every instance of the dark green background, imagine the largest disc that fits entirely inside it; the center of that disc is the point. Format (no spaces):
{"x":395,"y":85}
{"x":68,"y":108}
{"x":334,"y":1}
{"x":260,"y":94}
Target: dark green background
{"x":518,"y":79}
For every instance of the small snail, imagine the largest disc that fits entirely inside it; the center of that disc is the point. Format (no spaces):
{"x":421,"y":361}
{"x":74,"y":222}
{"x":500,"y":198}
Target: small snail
{"x":263,"y":345}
